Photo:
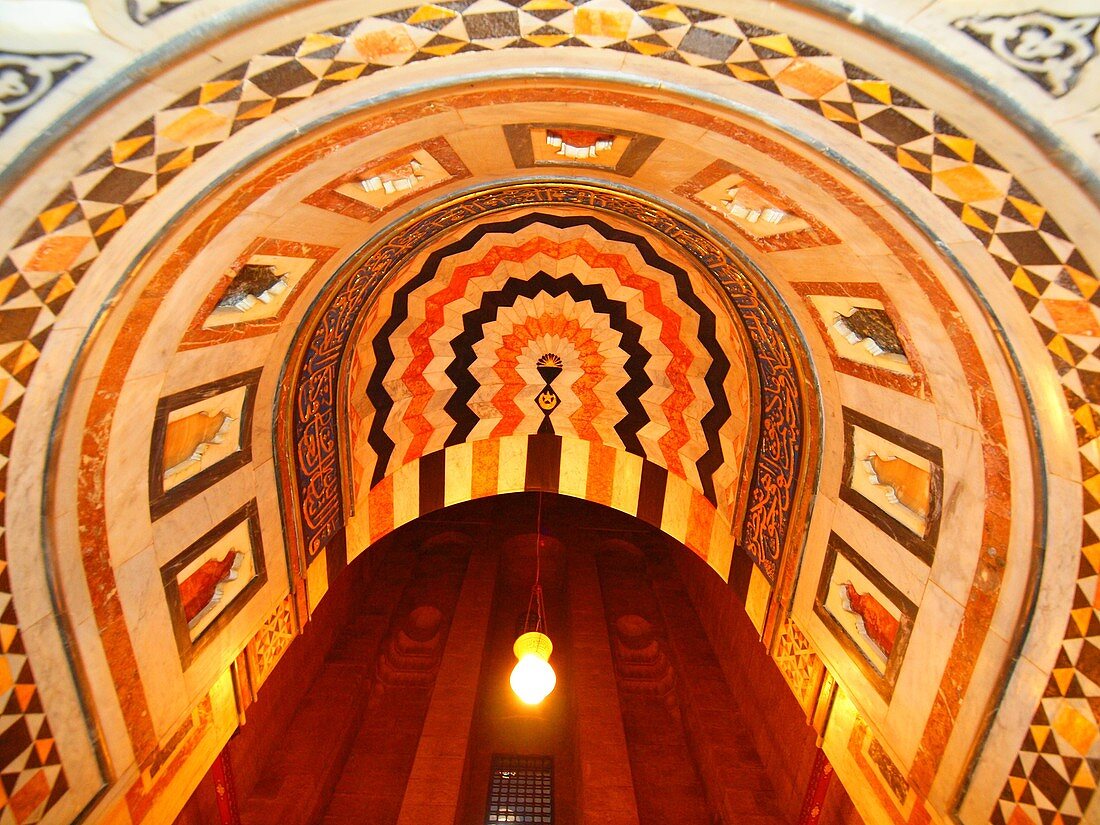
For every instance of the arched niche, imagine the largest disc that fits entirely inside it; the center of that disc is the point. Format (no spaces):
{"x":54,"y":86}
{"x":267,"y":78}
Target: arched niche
{"x":985,"y":581}
{"x":743,"y":488}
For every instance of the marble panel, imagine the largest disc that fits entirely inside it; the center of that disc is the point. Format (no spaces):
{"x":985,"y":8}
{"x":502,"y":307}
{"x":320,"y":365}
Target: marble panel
{"x":758,"y":598}
{"x":186,"y":757}
{"x":895,"y":480}
{"x":124,"y":515}
{"x":512,"y":469}
{"x":721,"y":547}
{"x":836,"y":307}
{"x":458,"y":474}
{"x":156,"y":686}
{"x":868,"y":615}
{"x":383,"y":183}
{"x":257,"y":291}
{"x":973,"y":715}
{"x":577,"y":145}
{"x":677,"y":508}
{"x":573,"y":480}
{"x":212,"y":580}
{"x":919,"y":680}
{"x":406,"y":493}
{"x":883,"y":776}
{"x":760,"y":212}
{"x":181,"y":526}
{"x":964,"y":511}
{"x":627,"y":482}
{"x":357,"y":530}
{"x":200,"y":435}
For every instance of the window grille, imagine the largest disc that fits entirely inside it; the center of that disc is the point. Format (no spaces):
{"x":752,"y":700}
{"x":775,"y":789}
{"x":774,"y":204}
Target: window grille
{"x":521,"y":791}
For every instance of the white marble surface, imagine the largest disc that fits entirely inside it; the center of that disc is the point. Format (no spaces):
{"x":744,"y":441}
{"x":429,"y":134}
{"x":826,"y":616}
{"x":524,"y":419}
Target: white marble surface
{"x":138,"y":548}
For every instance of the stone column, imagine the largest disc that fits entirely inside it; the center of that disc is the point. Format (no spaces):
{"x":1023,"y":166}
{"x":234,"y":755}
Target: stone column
{"x":432,"y":793}
{"x":605,"y":785}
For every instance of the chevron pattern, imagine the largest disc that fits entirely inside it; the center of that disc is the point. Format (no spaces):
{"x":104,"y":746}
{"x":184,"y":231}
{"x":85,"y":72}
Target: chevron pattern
{"x":454,"y":360}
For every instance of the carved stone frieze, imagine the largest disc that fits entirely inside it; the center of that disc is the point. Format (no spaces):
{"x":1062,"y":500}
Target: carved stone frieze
{"x":145,"y":11}
{"x":1050,"y":49}
{"x":27,"y":78}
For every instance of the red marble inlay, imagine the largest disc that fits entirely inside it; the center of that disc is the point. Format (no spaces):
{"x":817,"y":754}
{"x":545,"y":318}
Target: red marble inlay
{"x":25,"y":801}
{"x":700,"y":524}
{"x":601,"y":473}
{"x":380,"y":508}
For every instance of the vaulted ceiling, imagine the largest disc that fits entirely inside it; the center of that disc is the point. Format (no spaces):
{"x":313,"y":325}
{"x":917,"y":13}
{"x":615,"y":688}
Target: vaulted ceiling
{"x":780,"y":286}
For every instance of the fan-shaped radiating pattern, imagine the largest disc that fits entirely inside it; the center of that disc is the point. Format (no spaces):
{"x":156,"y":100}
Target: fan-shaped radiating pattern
{"x":505,"y":367}
{"x":454,"y":359}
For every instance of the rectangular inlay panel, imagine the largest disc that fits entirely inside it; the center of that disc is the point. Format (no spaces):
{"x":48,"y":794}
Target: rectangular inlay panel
{"x":209,"y":582}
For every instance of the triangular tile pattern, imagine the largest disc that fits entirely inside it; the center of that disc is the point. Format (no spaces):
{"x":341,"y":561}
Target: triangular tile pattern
{"x":40,"y":272}
{"x":801,"y":667}
{"x":271,"y":641}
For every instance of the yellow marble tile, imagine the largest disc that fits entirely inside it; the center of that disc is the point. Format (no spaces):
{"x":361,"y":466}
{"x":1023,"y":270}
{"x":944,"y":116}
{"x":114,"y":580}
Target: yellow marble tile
{"x":808,"y":78}
{"x":512,"y":470}
{"x":603,"y":22}
{"x":194,"y":127}
{"x":628,"y":480}
{"x":1073,"y":317}
{"x":459,"y":462}
{"x":377,"y":46}
{"x":406,"y":493}
{"x":720,"y":551}
{"x":1075,"y":728}
{"x":969,"y":184}
{"x":756,"y":601}
{"x":317,"y":580}
{"x":5,"y":675}
{"x":357,"y":530}
{"x":573,"y":478}
{"x":57,"y":253}
{"x":674,"y":518}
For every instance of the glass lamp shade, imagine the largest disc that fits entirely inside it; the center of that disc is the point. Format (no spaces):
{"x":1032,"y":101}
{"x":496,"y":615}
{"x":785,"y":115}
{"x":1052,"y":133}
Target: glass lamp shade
{"x":533,"y":678}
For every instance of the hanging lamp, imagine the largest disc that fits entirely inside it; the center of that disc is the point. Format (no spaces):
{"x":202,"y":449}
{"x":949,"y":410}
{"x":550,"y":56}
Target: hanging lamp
{"x":533,"y":679}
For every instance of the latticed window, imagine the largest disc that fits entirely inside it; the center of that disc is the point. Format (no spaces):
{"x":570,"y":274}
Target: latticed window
{"x":521,"y":790}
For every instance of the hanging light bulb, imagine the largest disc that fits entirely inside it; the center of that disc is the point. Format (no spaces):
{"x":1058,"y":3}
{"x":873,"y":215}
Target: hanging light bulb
{"x":533,"y":679}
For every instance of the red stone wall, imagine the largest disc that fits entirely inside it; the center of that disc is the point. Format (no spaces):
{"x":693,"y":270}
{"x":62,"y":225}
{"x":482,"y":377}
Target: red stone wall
{"x":288,"y":684}
{"x":786,"y":744}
